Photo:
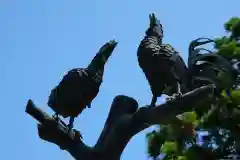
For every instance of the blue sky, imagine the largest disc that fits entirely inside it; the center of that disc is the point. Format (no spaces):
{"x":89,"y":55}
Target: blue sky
{"x":42,"y":39}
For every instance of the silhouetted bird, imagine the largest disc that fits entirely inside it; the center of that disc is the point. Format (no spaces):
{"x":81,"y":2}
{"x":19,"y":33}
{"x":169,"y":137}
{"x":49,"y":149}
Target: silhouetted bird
{"x":162,"y":65}
{"x":80,"y":86}
{"x":210,"y":68}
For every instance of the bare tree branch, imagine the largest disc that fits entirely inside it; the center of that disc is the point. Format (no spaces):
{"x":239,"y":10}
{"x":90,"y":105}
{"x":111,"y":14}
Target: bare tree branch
{"x":123,"y":122}
{"x":52,"y":131}
{"x":55,"y":132}
{"x":165,"y":113}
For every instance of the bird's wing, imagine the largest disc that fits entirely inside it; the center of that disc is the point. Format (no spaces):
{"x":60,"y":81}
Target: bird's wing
{"x":76,"y":76}
{"x":150,"y":48}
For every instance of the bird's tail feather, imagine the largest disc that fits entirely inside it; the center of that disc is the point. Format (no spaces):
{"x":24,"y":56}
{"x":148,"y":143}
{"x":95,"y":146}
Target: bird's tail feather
{"x":192,"y":51}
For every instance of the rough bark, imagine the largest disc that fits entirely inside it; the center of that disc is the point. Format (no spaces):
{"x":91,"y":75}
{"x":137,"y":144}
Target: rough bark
{"x":124,"y":121}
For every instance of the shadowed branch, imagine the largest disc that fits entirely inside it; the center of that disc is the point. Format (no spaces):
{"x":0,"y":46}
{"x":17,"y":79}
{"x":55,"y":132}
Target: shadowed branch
{"x":145,"y":117}
{"x":123,"y":122}
{"x":52,"y":131}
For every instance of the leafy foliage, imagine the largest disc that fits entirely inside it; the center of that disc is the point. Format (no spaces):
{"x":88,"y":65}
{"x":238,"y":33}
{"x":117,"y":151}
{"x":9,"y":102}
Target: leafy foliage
{"x":183,"y":138}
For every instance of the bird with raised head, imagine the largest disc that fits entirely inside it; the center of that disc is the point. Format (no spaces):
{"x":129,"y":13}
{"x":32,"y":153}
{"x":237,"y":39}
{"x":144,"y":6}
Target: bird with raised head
{"x":162,"y":65}
{"x":80,"y":86}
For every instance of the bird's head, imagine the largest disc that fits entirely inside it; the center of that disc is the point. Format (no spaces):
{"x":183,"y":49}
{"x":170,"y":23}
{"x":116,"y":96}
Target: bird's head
{"x":155,"y":27}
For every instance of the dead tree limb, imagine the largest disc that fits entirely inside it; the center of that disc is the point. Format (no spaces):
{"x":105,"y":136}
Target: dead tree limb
{"x":52,"y":131}
{"x":123,"y":122}
{"x":165,"y":113}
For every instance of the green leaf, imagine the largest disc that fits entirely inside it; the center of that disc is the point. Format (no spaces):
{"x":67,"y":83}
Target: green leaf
{"x":169,"y":147}
{"x":220,"y":41}
{"x":236,"y":97}
{"x":155,"y":141}
{"x":236,"y":29}
{"x":151,"y":135}
{"x":228,"y":50}
{"x":181,"y":158}
{"x":229,"y":25}
{"x":189,"y":117}
{"x":237,"y":53}
{"x":225,"y":98}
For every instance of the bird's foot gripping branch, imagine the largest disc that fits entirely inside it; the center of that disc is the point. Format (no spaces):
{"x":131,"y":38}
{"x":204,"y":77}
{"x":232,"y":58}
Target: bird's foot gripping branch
{"x":124,"y":121}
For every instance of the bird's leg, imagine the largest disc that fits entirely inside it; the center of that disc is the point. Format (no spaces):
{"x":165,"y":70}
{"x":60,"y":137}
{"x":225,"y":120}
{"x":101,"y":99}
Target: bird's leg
{"x":179,"y":93}
{"x":175,"y":95}
{"x":70,"y":125}
{"x":56,"y":118}
{"x":153,"y":102}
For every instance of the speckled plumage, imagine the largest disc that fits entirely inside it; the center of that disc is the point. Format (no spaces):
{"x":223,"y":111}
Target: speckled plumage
{"x":80,"y":86}
{"x":161,"y":63}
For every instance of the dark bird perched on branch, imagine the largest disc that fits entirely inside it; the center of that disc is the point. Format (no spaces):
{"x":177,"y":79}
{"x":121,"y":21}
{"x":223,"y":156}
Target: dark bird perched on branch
{"x":80,"y":86}
{"x":162,"y":65}
{"x":209,"y":68}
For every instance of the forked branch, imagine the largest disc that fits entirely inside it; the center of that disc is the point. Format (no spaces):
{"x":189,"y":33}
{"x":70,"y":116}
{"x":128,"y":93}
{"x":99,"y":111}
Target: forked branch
{"x":123,"y":122}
